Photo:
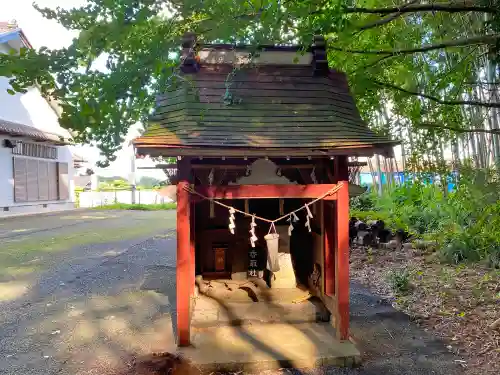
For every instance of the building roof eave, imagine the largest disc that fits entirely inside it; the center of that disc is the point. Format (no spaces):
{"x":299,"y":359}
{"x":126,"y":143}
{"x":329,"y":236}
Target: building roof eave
{"x":15,"y":129}
{"x":161,"y":149}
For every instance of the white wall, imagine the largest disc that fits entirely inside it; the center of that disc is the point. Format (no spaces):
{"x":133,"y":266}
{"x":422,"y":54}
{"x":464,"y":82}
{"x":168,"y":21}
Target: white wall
{"x":6,"y":176}
{"x":33,"y":110}
{"x":7,"y":183}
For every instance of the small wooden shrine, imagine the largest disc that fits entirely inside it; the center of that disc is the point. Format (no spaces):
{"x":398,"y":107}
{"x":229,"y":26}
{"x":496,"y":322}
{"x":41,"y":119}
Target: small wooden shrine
{"x":260,"y":136}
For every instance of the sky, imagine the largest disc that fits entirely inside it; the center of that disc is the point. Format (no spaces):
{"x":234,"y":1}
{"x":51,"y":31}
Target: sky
{"x":43,"y":32}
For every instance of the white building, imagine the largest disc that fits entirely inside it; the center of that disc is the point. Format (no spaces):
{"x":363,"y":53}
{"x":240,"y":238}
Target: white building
{"x":36,"y":164}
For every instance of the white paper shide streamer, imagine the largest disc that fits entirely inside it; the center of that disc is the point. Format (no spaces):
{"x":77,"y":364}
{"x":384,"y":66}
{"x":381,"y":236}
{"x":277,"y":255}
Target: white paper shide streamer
{"x":292,"y":219}
{"x":232,"y":225}
{"x":290,"y":227}
{"x":253,"y":237}
{"x":308,"y":218}
{"x":313,"y":176}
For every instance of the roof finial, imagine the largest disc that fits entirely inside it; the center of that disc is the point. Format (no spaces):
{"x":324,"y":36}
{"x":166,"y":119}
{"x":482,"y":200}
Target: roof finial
{"x":320,"y":59}
{"x":189,"y":63}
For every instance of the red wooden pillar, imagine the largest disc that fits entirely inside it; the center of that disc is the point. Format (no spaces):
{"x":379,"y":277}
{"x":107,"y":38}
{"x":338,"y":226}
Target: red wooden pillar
{"x":342,"y":263}
{"x":340,"y":173}
{"x":339,"y":265}
{"x":329,"y":247}
{"x":192,"y":244}
{"x":185,"y":258}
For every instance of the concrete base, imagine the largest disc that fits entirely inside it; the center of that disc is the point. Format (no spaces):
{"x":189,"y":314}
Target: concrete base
{"x":259,"y":347}
{"x":246,"y":326}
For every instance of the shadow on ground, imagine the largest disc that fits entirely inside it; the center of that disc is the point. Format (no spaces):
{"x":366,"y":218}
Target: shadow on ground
{"x":85,"y":312}
{"x":107,"y":316}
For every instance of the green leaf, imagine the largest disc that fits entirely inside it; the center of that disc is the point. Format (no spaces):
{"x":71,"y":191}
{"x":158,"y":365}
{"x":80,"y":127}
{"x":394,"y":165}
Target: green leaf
{"x":138,"y":41}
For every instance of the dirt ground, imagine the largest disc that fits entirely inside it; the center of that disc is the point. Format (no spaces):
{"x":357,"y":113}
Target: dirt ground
{"x":91,"y":292}
{"x":458,"y":304}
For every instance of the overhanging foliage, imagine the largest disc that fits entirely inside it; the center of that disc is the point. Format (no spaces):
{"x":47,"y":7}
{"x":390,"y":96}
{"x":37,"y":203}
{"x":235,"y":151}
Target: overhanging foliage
{"x":410,"y":64}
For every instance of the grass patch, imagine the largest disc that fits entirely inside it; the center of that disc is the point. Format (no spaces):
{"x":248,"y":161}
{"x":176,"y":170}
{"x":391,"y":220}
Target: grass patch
{"x":138,"y":207}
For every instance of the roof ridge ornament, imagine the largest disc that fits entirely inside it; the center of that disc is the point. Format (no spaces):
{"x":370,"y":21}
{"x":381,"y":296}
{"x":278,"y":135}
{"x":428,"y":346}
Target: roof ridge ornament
{"x":320,"y":58}
{"x":189,"y":62}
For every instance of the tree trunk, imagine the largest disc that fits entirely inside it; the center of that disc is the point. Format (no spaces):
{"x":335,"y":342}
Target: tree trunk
{"x":372,"y":172}
{"x":379,"y":173}
{"x":403,"y":153}
{"x":455,"y":149}
{"x":494,"y":119}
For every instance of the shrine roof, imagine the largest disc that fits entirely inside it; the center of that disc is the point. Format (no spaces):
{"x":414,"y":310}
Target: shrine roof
{"x":283,"y":98}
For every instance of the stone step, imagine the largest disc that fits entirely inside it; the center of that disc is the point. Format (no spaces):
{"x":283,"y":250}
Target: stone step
{"x":210,"y":313}
{"x":259,"y":347}
{"x":248,"y":291}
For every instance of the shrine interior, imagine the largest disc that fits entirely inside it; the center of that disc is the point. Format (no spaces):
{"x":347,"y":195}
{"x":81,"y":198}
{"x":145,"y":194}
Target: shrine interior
{"x":221,"y":255}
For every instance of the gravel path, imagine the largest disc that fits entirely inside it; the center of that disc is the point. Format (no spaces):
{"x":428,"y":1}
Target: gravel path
{"x":92,"y":307}
{"x":97,"y":304}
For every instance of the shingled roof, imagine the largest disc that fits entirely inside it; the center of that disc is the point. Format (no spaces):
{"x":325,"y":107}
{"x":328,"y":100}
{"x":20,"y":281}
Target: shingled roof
{"x":15,"y":129}
{"x":282,"y":100}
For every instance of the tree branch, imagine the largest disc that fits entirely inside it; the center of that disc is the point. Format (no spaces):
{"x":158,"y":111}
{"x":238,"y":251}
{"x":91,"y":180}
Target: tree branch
{"x":370,"y":65}
{"x":380,"y":22}
{"x":482,"y":39}
{"x":458,"y":130}
{"x":385,"y":20}
{"x":435,"y":99}
{"x":482,"y":83}
{"x":450,"y":7}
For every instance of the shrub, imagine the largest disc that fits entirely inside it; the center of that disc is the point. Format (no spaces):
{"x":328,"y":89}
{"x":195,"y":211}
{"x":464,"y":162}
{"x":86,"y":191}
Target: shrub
{"x":399,"y":280}
{"x":476,"y":238}
{"x":464,"y":222}
{"x":363,"y":202}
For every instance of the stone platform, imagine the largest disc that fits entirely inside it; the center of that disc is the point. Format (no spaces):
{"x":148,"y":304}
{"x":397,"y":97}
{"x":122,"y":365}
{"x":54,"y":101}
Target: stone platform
{"x":263,"y":346}
{"x":211,"y":313}
{"x":230,"y":302}
{"x":246,"y":326}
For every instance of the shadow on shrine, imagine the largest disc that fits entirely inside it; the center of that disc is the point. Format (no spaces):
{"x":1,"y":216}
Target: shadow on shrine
{"x":278,"y":138}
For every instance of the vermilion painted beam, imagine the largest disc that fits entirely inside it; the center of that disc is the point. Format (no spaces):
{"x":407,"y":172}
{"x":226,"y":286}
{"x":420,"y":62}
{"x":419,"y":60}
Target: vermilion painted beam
{"x":184,"y":264}
{"x":266,"y":191}
{"x":342,"y":263}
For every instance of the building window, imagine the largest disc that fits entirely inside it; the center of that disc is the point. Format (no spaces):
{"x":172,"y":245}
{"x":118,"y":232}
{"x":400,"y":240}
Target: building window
{"x":35,"y":150}
{"x":40,"y":180}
